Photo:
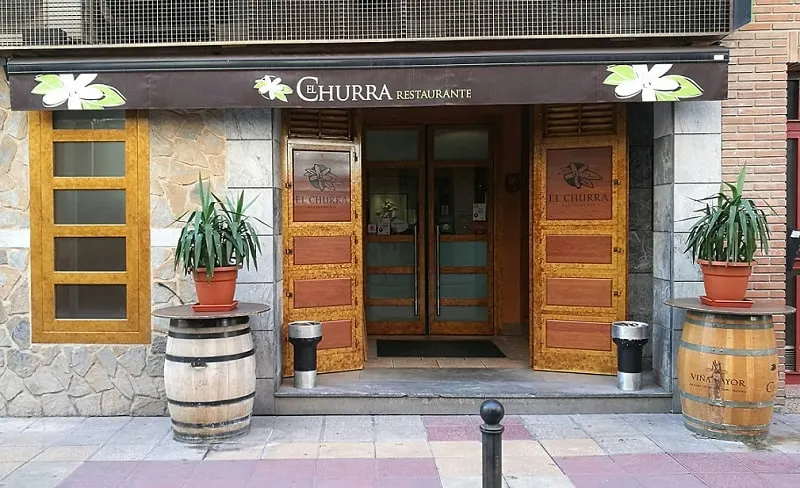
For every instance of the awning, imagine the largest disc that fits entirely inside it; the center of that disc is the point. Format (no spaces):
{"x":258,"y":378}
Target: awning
{"x":351,"y":81}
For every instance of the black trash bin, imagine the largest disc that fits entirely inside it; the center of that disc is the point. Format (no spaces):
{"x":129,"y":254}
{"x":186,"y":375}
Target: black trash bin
{"x":304,"y":337}
{"x":630,"y":338}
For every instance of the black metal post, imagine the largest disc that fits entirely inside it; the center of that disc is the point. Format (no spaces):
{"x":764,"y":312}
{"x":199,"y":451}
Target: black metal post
{"x":492,"y":412}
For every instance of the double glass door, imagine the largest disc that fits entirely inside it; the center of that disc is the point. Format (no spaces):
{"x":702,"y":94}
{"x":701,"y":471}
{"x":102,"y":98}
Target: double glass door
{"x":428,"y":230}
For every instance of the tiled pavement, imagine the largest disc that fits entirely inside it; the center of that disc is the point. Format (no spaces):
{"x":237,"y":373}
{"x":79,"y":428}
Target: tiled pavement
{"x":393,"y":451}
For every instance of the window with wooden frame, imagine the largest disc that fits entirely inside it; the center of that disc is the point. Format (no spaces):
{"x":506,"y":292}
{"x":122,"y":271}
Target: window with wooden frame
{"x":793,"y":217}
{"x":90,"y":227}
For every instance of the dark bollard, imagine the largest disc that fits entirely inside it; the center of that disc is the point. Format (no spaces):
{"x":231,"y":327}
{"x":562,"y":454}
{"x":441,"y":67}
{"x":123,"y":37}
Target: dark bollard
{"x":492,"y":413}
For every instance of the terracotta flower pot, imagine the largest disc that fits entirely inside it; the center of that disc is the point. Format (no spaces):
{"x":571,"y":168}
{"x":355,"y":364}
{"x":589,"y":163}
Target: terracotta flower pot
{"x":725,"y":281}
{"x":217,"y":290}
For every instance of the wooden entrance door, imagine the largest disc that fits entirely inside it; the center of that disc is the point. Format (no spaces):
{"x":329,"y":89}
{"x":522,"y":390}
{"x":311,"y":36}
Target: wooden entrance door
{"x":323,"y":278}
{"x":427,"y":230}
{"x":579,"y":236}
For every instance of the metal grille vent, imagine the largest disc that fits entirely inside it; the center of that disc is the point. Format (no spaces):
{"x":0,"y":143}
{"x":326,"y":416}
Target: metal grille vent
{"x":31,"y":23}
{"x":320,"y":124}
{"x":580,"y":120}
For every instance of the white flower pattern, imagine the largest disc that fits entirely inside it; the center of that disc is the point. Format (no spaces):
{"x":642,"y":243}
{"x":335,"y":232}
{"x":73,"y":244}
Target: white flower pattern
{"x":647,"y":82}
{"x":78,"y":92}
{"x":75,"y":90}
{"x":271,"y":88}
{"x":654,"y":84}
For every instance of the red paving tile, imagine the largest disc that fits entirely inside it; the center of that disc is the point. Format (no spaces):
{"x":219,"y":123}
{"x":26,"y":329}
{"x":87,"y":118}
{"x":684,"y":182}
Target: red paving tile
{"x":768,"y":462}
{"x":346,"y":469}
{"x":454,"y":433}
{"x":406,"y":468}
{"x":595,"y":481}
{"x":711,"y":463}
{"x":782,"y":480}
{"x":276,"y":483}
{"x":733,"y":480}
{"x":287,"y":469}
{"x":105,"y":471}
{"x":345,"y":483}
{"x":233,"y":469}
{"x":641,"y":464}
{"x":589,"y":465}
{"x":671,"y":481}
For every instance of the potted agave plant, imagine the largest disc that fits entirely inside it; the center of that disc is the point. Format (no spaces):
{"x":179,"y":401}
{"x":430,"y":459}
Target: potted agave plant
{"x":723,"y":241}
{"x":217,"y":239}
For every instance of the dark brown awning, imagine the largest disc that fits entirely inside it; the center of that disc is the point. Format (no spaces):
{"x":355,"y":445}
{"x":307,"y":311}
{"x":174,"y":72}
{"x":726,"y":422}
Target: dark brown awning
{"x":391,"y":80}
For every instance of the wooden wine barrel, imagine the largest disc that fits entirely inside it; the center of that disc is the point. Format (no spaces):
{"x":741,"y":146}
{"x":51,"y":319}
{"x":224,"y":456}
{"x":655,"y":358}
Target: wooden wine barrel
{"x":727,"y":374}
{"x":210,"y":378}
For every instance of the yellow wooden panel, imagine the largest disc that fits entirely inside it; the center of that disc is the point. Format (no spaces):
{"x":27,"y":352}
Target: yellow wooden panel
{"x":349,"y":354}
{"x":570,"y":266}
{"x":136,"y":183}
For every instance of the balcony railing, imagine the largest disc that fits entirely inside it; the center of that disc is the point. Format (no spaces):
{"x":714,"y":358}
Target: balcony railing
{"x":71,"y":23}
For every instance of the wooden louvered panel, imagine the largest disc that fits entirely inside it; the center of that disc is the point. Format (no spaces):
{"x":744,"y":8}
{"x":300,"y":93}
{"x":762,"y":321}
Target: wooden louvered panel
{"x":574,"y":120}
{"x":320,"y":124}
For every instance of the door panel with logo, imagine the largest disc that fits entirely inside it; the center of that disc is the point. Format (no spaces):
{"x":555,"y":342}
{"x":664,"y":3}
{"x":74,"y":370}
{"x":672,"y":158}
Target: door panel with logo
{"x":322,"y":250}
{"x":579,"y":229}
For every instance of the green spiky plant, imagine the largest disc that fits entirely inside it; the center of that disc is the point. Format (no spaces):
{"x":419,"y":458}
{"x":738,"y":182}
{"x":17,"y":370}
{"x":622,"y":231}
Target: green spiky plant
{"x":730,"y":228}
{"x":217,"y":234}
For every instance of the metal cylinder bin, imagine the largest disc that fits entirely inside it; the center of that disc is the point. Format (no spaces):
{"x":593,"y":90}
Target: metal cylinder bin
{"x":304,"y":337}
{"x":630,"y":338}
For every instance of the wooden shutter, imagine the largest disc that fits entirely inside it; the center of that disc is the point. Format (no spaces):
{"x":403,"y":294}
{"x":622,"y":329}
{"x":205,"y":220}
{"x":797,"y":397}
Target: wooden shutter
{"x":579,"y":228}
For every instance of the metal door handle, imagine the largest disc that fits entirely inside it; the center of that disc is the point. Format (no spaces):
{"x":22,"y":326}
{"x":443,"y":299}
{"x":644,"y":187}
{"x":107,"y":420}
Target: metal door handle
{"x":416,"y":275}
{"x":438,"y":268}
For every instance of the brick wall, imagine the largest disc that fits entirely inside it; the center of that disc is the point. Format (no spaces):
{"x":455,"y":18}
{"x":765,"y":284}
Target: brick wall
{"x":754,"y":130}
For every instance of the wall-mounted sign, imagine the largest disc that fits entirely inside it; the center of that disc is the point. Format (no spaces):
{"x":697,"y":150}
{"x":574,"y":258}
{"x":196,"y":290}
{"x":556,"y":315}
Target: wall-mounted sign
{"x":579,"y":184}
{"x":321,"y":186}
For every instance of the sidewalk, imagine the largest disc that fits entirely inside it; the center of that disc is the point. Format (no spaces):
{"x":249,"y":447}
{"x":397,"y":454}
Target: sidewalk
{"x":547,"y":451}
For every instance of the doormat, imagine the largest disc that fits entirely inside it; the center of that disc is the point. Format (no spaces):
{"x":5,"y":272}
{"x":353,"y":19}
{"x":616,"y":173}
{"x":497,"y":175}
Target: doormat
{"x":388,"y":348}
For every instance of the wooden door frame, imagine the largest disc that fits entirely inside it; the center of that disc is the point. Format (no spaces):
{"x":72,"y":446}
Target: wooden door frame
{"x":422,"y":117}
{"x":793,"y":132}
{"x":463,"y":327}
{"x":396,"y":327}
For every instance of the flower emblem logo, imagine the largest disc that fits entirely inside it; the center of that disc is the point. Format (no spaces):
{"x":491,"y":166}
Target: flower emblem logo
{"x":77,"y":91}
{"x":579,"y":175}
{"x":321,"y":177}
{"x":654,"y":84}
{"x":270,"y":87}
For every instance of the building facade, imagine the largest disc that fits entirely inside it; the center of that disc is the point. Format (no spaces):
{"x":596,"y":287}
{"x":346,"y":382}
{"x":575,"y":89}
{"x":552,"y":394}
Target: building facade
{"x":497,"y":176}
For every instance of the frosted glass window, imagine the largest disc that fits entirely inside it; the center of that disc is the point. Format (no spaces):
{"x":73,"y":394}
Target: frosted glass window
{"x":89,"y":206}
{"x":390,"y":286}
{"x":390,"y":254}
{"x":90,"y":254}
{"x":89,"y":119}
{"x":392,"y":145}
{"x":463,"y":314}
{"x":390,"y":313}
{"x":91,"y":302}
{"x":461,"y":144}
{"x":89,"y":159}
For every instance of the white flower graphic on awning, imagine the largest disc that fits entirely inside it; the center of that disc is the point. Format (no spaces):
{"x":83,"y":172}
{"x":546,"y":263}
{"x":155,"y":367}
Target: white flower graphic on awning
{"x":654,"y":84}
{"x":76,"y":91}
{"x":270,"y":87}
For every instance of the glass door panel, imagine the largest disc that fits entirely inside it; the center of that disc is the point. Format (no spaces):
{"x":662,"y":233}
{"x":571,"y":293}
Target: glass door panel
{"x":393,"y":260}
{"x":459,"y":215}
